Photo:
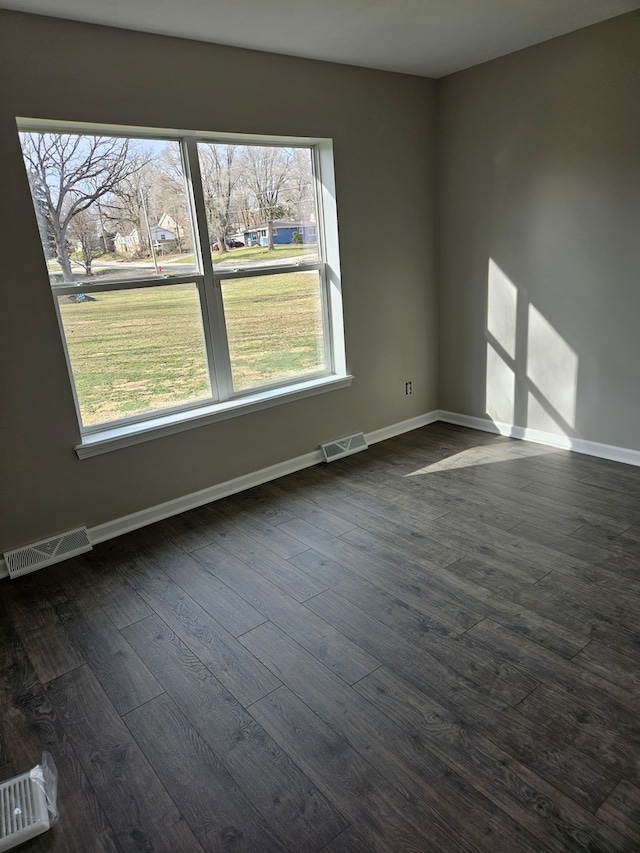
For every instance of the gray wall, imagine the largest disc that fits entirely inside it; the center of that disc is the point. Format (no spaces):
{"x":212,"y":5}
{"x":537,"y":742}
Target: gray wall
{"x":539,"y":219}
{"x":539,"y":171}
{"x":383,"y":131}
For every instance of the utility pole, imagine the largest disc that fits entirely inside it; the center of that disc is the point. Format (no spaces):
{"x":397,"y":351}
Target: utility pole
{"x":104,"y":236}
{"x":146,"y":219}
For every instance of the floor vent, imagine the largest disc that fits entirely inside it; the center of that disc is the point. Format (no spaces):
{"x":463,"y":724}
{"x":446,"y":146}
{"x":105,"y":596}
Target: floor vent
{"x":23,"y":811}
{"x":36,"y":556}
{"x":344,"y":447}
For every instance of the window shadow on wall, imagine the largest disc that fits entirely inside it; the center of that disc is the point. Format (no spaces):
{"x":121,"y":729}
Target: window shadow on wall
{"x":531,"y":371}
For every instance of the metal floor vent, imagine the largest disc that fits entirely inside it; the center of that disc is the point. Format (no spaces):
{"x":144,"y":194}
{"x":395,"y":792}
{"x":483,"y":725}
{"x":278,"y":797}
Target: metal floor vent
{"x":36,"y":556}
{"x":23,"y":811}
{"x":344,"y":446}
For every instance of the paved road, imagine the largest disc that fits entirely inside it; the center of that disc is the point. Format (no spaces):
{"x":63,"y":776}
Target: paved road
{"x":140,"y":269}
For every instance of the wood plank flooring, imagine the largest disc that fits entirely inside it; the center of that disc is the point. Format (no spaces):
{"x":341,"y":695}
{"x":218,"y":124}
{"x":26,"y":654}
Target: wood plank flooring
{"x":432,"y":646}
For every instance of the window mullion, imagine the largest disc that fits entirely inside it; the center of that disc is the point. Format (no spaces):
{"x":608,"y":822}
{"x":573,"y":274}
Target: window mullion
{"x":67,"y":358}
{"x":215,"y":331}
{"x":124,"y":284}
{"x":327,"y":335}
{"x":256,"y":272}
{"x":328,"y":240}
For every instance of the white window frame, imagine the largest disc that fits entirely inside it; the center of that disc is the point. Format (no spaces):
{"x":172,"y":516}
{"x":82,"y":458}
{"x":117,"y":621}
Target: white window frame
{"x":225,"y":402}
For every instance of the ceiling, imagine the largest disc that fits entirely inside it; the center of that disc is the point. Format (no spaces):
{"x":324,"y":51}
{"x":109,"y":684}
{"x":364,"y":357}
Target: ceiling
{"x":426,"y":37}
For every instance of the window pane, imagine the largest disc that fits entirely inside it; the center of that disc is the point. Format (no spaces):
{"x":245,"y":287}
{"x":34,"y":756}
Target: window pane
{"x":274,"y":327}
{"x":135,"y":351}
{"x":109,"y":207}
{"x":260,"y":204}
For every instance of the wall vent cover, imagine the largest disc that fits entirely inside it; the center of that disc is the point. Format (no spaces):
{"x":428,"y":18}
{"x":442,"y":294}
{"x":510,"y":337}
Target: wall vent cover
{"x":23,"y":811}
{"x":36,"y":556}
{"x":344,"y":446}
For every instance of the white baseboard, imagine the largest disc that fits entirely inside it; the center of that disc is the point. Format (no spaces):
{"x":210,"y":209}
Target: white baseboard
{"x":402,"y":427}
{"x":563,"y":442}
{"x":127,"y":523}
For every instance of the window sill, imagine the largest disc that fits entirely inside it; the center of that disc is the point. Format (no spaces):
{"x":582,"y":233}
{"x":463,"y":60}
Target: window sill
{"x":125,"y":436}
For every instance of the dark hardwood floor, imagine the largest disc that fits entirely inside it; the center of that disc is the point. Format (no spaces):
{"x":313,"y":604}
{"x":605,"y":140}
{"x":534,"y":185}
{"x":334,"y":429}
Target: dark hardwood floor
{"x":433,"y":645}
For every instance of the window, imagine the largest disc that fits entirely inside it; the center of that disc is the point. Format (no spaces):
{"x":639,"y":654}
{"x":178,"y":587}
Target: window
{"x":193,"y":276}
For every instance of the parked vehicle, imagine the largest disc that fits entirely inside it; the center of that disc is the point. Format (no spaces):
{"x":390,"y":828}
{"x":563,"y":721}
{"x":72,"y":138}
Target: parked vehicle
{"x":231,"y":244}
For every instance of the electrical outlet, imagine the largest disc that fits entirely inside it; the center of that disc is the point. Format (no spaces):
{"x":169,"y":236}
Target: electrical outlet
{"x":408,"y":388}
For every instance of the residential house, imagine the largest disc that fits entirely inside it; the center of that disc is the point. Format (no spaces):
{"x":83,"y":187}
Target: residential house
{"x":284,"y":231}
{"x":163,"y":239}
{"x":178,"y":229}
{"x":127,"y":243}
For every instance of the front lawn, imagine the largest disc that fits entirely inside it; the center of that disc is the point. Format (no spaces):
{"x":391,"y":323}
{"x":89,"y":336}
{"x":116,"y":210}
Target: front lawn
{"x":140,"y":350}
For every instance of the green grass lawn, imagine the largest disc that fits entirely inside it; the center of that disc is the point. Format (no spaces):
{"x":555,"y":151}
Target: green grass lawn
{"x":141,"y":350}
{"x":274,"y":327}
{"x":251,"y":253}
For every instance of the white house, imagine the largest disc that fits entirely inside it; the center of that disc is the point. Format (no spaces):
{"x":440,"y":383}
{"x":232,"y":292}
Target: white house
{"x":161,"y":237}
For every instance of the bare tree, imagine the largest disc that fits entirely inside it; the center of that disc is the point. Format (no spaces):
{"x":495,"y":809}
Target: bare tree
{"x":70,"y":172}
{"x":171,"y":200}
{"x":44,"y":225}
{"x":243,"y":212}
{"x":132,"y":204}
{"x":84,"y":228}
{"x":300,"y":188}
{"x":266,"y":173}
{"x":219,"y":180}
{"x":171,"y":187}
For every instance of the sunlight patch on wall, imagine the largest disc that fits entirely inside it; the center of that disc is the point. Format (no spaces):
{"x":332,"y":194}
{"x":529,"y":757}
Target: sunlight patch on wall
{"x":537,"y":416}
{"x":531,"y":371}
{"x":500,"y":388}
{"x":502,"y":303}
{"x":552,"y":366}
